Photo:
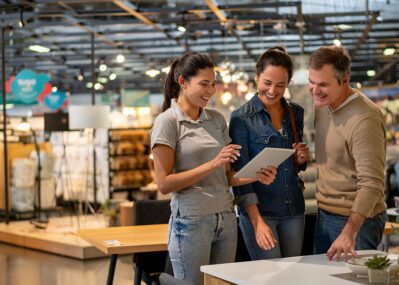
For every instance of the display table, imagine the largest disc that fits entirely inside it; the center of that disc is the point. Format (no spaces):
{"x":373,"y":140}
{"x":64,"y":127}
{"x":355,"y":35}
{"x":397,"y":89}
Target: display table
{"x":126,"y":240}
{"x":301,"y":270}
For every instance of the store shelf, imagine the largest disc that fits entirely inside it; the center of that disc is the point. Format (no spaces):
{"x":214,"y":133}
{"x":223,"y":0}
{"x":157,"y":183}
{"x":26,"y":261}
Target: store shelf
{"x":128,"y":159}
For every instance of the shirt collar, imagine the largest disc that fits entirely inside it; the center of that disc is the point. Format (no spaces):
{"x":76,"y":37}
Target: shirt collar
{"x":181,"y":116}
{"x":346,"y":102}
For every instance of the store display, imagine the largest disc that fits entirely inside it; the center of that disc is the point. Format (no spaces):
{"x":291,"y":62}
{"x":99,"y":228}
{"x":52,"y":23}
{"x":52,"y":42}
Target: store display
{"x":128,"y":159}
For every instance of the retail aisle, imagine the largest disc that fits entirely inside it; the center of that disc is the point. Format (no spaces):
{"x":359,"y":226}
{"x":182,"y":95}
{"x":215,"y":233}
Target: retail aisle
{"x":20,"y":266}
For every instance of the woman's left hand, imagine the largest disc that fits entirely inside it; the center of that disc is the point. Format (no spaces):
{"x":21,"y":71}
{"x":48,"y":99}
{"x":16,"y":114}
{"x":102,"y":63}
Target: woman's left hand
{"x":301,"y":153}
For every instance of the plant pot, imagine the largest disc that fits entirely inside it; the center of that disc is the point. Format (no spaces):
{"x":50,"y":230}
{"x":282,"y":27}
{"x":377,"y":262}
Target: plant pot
{"x":378,"y":276}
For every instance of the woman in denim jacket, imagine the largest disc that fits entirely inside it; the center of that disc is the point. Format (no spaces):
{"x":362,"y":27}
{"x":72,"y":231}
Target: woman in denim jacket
{"x":192,"y":156}
{"x":271,"y":216}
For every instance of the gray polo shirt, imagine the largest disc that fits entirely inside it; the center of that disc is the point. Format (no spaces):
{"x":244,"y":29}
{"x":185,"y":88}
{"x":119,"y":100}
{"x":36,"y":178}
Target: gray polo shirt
{"x":195,"y":142}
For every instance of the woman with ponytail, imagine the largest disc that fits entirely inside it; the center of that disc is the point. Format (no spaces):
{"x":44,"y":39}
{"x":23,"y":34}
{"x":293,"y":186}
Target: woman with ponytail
{"x":271,"y":216}
{"x":192,"y":155}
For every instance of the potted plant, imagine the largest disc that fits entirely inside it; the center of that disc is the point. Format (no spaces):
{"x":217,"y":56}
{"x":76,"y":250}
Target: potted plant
{"x":378,"y":269}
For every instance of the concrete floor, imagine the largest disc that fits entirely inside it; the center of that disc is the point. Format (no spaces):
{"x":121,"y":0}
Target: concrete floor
{"x":21,"y":266}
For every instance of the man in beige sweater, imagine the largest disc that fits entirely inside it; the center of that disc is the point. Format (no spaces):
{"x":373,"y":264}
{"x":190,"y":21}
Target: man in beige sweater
{"x":350,"y":155}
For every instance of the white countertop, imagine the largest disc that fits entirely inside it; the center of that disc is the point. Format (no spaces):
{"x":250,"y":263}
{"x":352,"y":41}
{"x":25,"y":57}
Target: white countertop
{"x":306,"y":270}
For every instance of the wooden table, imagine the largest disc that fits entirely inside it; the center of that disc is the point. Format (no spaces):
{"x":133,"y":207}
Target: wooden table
{"x":123,"y":240}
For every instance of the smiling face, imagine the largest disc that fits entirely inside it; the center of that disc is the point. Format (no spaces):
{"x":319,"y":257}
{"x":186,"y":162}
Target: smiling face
{"x":325,"y":87}
{"x":198,"y":89}
{"x":271,"y":84}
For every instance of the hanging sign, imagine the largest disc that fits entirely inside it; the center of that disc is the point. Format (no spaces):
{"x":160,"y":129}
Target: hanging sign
{"x":28,"y":87}
{"x":56,"y":100}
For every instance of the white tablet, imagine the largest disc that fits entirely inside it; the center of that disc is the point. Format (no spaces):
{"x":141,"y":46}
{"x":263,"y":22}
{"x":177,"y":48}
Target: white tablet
{"x":268,"y":156}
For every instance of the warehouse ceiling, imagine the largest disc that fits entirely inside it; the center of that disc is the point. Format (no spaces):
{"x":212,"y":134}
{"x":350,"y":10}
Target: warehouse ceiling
{"x":149,"y":34}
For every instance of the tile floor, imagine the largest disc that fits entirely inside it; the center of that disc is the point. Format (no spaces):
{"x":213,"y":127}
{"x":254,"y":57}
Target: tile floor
{"x":20,"y":266}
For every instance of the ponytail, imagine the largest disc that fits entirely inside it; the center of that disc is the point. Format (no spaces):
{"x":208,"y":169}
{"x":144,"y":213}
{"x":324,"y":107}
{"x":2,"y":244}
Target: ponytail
{"x":171,"y":87}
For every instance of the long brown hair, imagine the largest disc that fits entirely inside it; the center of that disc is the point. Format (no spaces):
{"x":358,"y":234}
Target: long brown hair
{"x":187,"y":66}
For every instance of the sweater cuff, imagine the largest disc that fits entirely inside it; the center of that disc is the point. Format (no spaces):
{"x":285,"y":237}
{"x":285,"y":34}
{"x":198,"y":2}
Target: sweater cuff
{"x":364,"y":203}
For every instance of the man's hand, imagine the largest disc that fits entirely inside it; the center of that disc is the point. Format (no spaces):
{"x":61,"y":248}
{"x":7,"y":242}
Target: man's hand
{"x":345,"y":242}
{"x":264,"y":236}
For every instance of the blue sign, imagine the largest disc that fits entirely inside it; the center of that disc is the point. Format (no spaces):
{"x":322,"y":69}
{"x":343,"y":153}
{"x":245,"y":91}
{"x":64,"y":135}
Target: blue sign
{"x":55,"y":100}
{"x":28,"y":85}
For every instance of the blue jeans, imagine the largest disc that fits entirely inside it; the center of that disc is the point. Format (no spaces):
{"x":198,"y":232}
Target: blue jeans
{"x":288,"y":232}
{"x":329,"y":227}
{"x":201,"y":240}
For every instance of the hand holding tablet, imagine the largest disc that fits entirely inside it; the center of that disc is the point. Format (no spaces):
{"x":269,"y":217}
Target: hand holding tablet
{"x":267,"y":157}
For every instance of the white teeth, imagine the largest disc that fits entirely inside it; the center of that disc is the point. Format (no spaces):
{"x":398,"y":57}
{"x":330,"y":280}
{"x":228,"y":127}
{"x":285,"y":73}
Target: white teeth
{"x":270,"y":96}
{"x":205,"y":98}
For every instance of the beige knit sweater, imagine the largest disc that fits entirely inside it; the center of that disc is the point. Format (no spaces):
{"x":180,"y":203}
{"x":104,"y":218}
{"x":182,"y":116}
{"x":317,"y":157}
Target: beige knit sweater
{"x":350,"y":156}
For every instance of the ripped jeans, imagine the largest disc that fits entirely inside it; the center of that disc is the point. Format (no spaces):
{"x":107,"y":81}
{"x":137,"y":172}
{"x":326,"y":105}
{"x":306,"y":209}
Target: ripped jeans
{"x":201,"y":240}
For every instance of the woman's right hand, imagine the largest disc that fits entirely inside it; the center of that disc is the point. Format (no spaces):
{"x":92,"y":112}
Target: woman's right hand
{"x":267,"y":175}
{"x":229,"y":153}
{"x":264,"y":236}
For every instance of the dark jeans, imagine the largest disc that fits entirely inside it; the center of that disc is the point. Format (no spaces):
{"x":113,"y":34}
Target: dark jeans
{"x":329,"y":227}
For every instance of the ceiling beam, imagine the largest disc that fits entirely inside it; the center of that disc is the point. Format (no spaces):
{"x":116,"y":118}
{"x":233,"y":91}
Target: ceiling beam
{"x":225,"y":22}
{"x":132,"y":10}
{"x":386,"y":67}
{"x":365,"y":34}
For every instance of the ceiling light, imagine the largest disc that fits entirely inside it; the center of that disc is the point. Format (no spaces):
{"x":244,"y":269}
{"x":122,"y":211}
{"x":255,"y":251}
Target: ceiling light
{"x":181,"y":29}
{"x":112,"y":76}
{"x":54,"y":89}
{"x":80,"y":77}
{"x":97,"y":86}
{"x":103,"y":67}
{"x":120,"y":58}
{"x":226,"y":97}
{"x":389,"y":51}
{"x":370,"y":73}
{"x":23,"y":126}
{"x":89,"y":84}
{"x":38,"y":48}
{"x":358,"y":85}
{"x":102,"y":80}
{"x":21,"y":22}
{"x":248,"y":96}
{"x":337,"y":42}
{"x":165,"y":69}
{"x":152,"y":72}
{"x":343,"y":27}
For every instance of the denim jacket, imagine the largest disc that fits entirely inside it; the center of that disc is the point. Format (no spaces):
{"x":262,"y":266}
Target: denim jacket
{"x":251,"y":127}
